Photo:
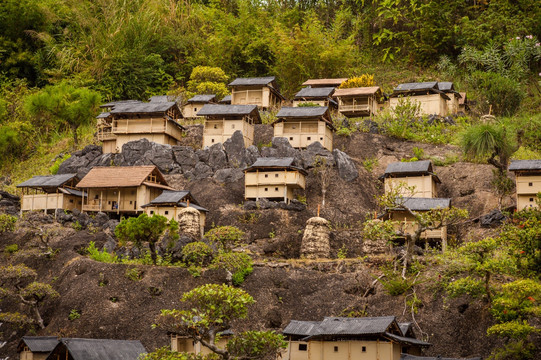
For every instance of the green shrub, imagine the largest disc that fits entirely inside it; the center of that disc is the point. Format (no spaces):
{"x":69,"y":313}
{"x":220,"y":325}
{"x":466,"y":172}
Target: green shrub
{"x":73,"y":315}
{"x":10,"y":249}
{"x":7,"y":223}
{"x":503,"y":94}
{"x":54,"y":168}
{"x":101,"y":256}
{"x":196,"y":253}
{"x":133,"y":274}
{"x":344,"y":131}
{"x":238,"y":264}
{"x":308,"y":104}
{"x":225,"y":237}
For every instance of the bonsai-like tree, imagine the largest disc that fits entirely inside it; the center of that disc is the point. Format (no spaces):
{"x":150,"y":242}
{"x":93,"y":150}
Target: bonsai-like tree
{"x":144,"y":229}
{"x":18,"y":282}
{"x":207,"y":80}
{"x":65,"y":104}
{"x":211,"y":310}
{"x":433,"y":219}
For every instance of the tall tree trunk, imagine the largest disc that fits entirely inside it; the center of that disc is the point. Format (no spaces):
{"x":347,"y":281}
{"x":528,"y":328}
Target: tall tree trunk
{"x":37,"y":316}
{"x":410,"y":244}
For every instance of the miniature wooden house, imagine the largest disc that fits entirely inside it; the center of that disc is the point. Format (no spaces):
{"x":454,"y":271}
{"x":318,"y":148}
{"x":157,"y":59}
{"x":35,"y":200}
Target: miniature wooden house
{"x":273,"y":178}
{"x":320,"y":96}
{"x":128,"y":121}
{"x":97,"y":349}
{"x":186,"y":344}
{"x":418,"y":174}
{"x":195,"y":104}
{"x":369,"y":338}
{"x":36,"y":347}
{"x":261,"y":91}
{"x":319,"y":83}
{"x":357,"y":102}
{"x":419,"y":205}
{"x":221,"y":121}
{"x":170,"y":202}
{"x":121,"y":189}
{"x":50,"y":193}
{"x":431,"y":99}
{"x":528,"y":181}
{"x":303,"y":126}
{"x":448,"y":88}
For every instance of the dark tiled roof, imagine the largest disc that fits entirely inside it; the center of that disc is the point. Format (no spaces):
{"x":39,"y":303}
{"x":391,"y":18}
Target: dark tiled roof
{"x":119,"y":102}
{"x":217,"y":109}
{"x":101,"y":349}
{"x":300,"y":328}
{"x":141,"y":107}
{"x":274,"y":162}
{"x":407,"y":340}
{"x":400,"y":167}
{"x":226,"y":100}
{"x":446,"y":86}
{"x":174,"y":197}
{"x":159,"y":98}
{"x":103,"y":115}
{"x":39,"y":344}
{"x":517,"y":165}
{"x":301,"y":112}
{"x":417,"y":86}
{"x":256,"y":81}
{"x":71,"y":191}
{"x":414,"y":357}
{"x":404,"y":327}
{"x":48,"y":180}
{"x":425,"y":204}
{"x":202,"y":98}
{"x":315,"y":92}
{"x":353,"y":326}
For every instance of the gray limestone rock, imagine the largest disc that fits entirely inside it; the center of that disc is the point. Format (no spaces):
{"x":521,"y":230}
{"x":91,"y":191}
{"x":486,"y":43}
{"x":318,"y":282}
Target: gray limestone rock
{"x":315,"y":153}
{"x":234,"y":148}
{"x":346,"y":167}
{"x":228,"y":175}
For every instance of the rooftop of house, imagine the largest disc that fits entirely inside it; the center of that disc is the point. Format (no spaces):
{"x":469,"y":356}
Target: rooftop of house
{"x":174,"y":198}
{"x":119,"y":102}
{"x":329,"y":327}
{"x":302,"y":112}
{"x":230,"y":110}
{"x":143,"y":107}
{"x":225,"y":100}
{"x":122,"y":176}
{"x":419,"y":87}
{"x":99,"y":349}
{"x":202,"y":98}
{"x":425,"y":204}
{"x":48,"y":181}
{"x":410,"y":168}
{"x":161,"y":98}
{"x":324,"y":82}
{"x":38,"y":344}
{"x":525,"y":165}
{"x":255,"y":81}
{"x":359,"y":91}
{"x":320,"y":92}
{"x":273,"y":163}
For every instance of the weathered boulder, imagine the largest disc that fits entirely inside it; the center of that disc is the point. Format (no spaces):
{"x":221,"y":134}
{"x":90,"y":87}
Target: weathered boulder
{"x":346,"y":167}
{"x":493,"y":218}
{"x":316,"y":239}
{"x":251,"y":154}
{"x":281,"y":148}
{"x":200,"y":171}
{"x":80,"y":161}
{"x":134,"y":151}
{"x":110,"y":244}
{"x":4,"y":195}
{"x":189,"y":222}
{"x":100,"y":219}
{"x":228,"y":175}
{"x":315,"y":153}
{"x":162,"y":156}
{"x":185,"y":156}
{"x":217,"y":157}
{"x":234,"y":148}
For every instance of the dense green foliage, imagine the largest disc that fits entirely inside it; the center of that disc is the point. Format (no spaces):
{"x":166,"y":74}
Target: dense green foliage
{"x":7,"y":223}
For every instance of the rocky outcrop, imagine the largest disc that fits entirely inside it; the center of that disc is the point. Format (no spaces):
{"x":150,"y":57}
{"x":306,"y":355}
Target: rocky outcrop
{"x":346,"y":167}
{"x":9,"y":204}
{"x":189,"y":222}
{"x":316,"y":239}
{"x":263,"y":204}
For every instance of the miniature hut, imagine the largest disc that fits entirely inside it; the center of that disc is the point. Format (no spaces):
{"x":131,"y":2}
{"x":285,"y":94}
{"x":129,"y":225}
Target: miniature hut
{"x":221,"y":121}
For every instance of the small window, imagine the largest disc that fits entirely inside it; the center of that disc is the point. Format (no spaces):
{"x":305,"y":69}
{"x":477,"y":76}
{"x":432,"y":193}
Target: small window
{"x":266,"y":189}
{"x":96,"y":197}
{"x":194,"y":109}
{"x":336,"y":349}
{"x":531,"y":199}
{"x":133,"y":192}
{"x":291,"y":138}
{"x":293,"y":127}
{"x":131,"y":202}
{"x":215,"y":126}
{"x":232,"y":126}
{"x":212,"y":141}
{"x":151,"y":212}
{"x":266,"y":175}
{"x":80,"y":202}
{"x":530,"y":184}
{"x":320,"y":138}
{"x":275,"y":175}
{"x":275,"y":189}
{"x":309,"y":138}
{"x":108,"y":203}
{"x":303,"y":347}
{"x":166,"y":212}
{"x":363,"y":349}
{"x":71,"y":201}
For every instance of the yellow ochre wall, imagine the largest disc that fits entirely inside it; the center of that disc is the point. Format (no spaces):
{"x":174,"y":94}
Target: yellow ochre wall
{"x":303,"y":133}
{"x":527,"y":188}
{"x":430,"y":104}
{"x":410,"y":227}
{"x":184,"y":344}
{"x":247,"y":95}
{"x":190,"y":110}
{"x":218,"y":131}
{"x":425,"y":186}
{"x":131,"y":199}
{"x":346,"y":350}
{"x":50,"y":202}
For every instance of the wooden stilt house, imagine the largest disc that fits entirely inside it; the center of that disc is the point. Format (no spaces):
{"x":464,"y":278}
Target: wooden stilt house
{"x":186,"y":344}
{"x":97,"y":349}
{"x":196,"y":103}
{"x":157,"y":121}
{"x":358,"y":102}
{"x":448,"y":88}
{"x":221,"y":121}
{"x":418,"y":174}
{"x":303,"y":126}
{"x":273,"y":178}
{"x":260,"y":91}
{"x":36,"y":347}
{"x":50,"y":193}
{"x":528,"y":181}
{"x":121,"y":189}
{"x":431,"y":99}
{"x":318,"y":96}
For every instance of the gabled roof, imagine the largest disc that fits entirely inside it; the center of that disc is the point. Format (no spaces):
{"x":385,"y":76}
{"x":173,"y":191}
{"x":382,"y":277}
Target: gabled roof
{"x":410,"y":168}
{"x":144,"y":108}
{"x":446,"y":86}
{"x":202,"y":98}
{"x":159,"y":98}
{"x":405,"y":328}
{"x":463,"y":99}
{"x":48,"y":181}
{"x":38,"y":344}
{"x":225,"y":100}
{"x":417,"y":86}
{"x":360,"y":91}
{"x":300,"y":328}
{"x":425,"y":204}
{"x":320,"y":92}
{"x":231,"y":110}
{"x":302,"y":112}
{"x":122,"y":176}
{"x":324,"y":82}
{"x":525,"y":165}
{"x":255,"y":81}
{"x":103,"y":115}
{"x":100,"y":349}
{"x":275,"y":163}
{"x":119,"y":102}
{"x":407,"y":340}
{"x":174,"y":198}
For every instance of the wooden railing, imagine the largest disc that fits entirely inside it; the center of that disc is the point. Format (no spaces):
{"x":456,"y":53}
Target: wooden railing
{"x":355,"y":107}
